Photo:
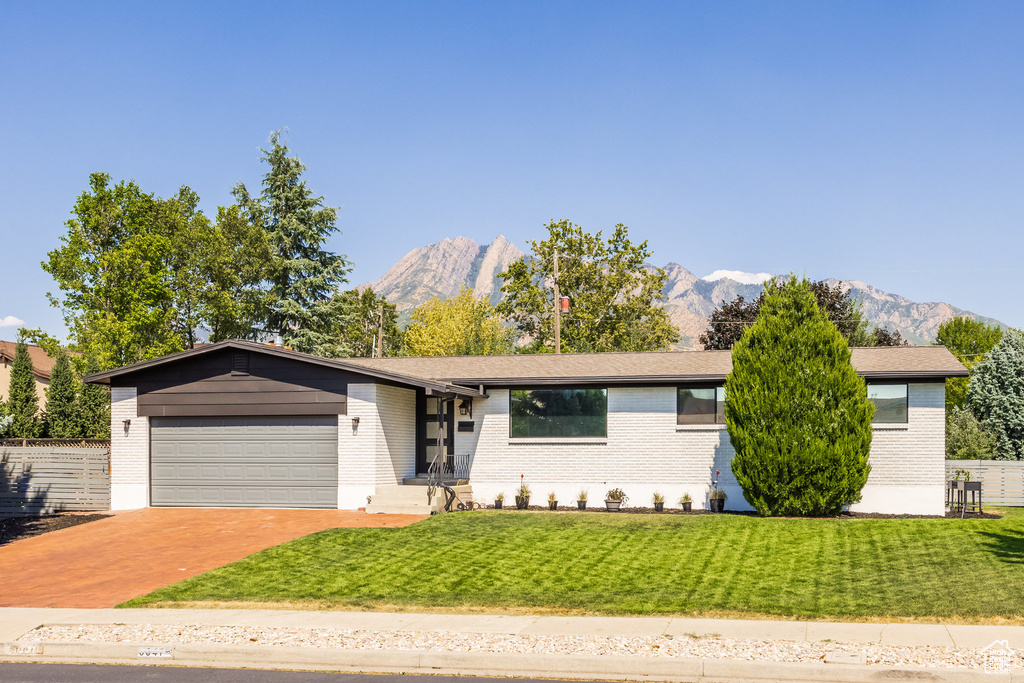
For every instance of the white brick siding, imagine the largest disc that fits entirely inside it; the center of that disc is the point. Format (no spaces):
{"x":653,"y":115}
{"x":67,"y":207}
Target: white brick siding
{"x":129,"y":452}
{"x":382,"y":449}
{"x":646,"y":451}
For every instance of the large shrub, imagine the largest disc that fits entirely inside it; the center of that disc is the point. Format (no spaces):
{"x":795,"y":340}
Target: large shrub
{"x":966,"y":436}
{"x":996,"y":395}
{"x":797,"y":413}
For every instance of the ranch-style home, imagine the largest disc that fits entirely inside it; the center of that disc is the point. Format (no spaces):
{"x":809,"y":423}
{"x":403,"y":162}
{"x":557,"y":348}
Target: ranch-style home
{"x":242,"y":424}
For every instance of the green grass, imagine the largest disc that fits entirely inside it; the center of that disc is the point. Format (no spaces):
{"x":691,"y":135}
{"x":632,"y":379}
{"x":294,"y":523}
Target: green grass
{"x":643,"y":564}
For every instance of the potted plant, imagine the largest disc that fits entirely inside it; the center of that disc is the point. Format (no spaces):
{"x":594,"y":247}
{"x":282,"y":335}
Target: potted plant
{"x":659,"y":502}
{"x":552,"y":501}
{"x":498,"y":500}
{"x":687,"y":502}
{"x":581,"y":499}
{"x":717,"y":499}
{"x":614,"y":499}
{"x":522,"y":495}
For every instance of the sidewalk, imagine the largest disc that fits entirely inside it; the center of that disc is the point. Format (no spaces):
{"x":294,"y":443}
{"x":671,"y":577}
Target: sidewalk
{"x":16,"y":622}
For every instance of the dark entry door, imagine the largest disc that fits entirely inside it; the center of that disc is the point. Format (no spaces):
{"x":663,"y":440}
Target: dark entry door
{"x":432,"y":427}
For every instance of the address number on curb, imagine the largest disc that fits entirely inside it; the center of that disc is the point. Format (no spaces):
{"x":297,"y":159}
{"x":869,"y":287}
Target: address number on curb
{"x":23,"y":649}
{"x":154,"y":652}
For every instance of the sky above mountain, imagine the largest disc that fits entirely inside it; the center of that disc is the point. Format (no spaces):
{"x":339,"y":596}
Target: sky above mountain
{"x":868,"y":141}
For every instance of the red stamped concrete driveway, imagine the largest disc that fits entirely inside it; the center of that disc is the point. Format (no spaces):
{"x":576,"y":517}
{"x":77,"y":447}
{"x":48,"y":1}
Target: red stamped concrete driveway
{"x":103,"y":563}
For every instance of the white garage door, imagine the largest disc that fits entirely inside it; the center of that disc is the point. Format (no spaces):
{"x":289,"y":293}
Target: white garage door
{"x":278,"y":462}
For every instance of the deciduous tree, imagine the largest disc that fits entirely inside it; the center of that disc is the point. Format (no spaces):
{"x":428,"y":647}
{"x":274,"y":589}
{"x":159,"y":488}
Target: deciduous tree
{"x":459,"y":326}
{"x":967,"y":438}
{"x":361,"y":333}
{"x":111,"y":268}
{"x":613,"y":293}
{"x":969,"y":340}
{"x":797,"y":412}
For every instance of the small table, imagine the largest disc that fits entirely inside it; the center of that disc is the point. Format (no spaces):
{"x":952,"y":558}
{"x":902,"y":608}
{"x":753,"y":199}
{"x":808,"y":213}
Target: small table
{"x":956,"y":496}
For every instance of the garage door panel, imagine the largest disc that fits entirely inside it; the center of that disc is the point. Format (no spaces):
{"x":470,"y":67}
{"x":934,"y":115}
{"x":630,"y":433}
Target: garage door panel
{"x":245,"y":461}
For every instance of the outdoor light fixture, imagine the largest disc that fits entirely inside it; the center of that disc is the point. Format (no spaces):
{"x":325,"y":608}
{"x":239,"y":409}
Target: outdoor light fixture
{"x":466,"y":407}
{"x":127,"y":424}
{"x":355,"y":423}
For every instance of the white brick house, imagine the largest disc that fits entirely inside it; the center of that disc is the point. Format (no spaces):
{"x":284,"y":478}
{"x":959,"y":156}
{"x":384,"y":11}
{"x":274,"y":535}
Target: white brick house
{"x":244,"y":424}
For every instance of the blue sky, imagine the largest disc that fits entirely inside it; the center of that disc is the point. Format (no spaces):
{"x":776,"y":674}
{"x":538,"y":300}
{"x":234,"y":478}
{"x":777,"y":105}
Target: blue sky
{"x":875,"y":141}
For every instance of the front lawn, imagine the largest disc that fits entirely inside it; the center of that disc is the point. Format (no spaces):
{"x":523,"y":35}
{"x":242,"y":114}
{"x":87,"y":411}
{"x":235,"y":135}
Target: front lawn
{"x":642,"y":564}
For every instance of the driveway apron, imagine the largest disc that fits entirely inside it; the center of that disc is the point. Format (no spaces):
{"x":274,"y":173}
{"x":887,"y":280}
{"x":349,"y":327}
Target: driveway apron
{"x":104,"y":563}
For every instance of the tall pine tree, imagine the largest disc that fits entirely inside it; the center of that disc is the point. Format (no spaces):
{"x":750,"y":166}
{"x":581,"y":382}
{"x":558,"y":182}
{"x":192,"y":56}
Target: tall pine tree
{"x":22,"y":400}
{"x":798,"y":415}
{"x":62,"y":418}
{"x":306,"y":305}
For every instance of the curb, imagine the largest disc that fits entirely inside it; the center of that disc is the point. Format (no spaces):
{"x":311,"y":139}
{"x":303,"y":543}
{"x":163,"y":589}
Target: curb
{"x":610,"y":667}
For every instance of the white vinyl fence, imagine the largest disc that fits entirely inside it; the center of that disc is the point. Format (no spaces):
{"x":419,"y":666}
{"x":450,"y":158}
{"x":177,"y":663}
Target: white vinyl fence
{"x":1002,"y":481}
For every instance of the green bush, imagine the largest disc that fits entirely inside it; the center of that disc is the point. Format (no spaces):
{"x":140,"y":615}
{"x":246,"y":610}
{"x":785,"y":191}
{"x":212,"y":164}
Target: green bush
{"x":996,"y":395}
{"x":797,"y":413}
{"x":967,"y":438}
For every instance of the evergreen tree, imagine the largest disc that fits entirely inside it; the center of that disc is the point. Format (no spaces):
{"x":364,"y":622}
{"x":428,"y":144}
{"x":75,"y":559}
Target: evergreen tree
{"x":306,"y":306}
{"x":22,"y":400}
{"x":996,"y":395}
{"x":94,"y":404}
{"x":797,"y":412}
{"x":62,"y":418}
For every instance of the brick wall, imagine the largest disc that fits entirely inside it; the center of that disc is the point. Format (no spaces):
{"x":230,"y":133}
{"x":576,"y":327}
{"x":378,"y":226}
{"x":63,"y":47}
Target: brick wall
{"x":645,"y":451}
{"x":381,"y":450}
{"x":129,"y":452}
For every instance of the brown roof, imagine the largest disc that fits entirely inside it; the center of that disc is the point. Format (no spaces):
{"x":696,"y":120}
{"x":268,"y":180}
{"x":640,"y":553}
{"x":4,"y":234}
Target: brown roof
{"x":42,"y":364}
{"x":875,"y":362}
{"x":464,"y":375}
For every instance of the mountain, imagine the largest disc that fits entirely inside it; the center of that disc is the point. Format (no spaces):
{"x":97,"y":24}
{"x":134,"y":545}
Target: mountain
{"x":442,"y":269}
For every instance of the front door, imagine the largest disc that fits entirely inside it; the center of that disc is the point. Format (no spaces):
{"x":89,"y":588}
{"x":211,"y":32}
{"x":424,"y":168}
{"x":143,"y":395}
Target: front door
{"x":434,"y":423}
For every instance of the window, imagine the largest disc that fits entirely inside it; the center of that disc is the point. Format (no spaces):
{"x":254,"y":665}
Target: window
{"x":558,"y":413}
{"x":890,"y":402}
{"x":700,"y":405}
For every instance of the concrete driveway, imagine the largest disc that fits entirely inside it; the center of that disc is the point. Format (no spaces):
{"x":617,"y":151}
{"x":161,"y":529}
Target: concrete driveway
{"x":104,"y":563}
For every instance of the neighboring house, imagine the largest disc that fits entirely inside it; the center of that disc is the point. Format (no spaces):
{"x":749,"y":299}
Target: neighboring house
{"x":243,"y":424}
{"x":42,"y":367}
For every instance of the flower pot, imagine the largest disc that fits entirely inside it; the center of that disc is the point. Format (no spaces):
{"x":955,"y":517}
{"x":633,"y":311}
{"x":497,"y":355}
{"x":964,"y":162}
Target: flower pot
{"x":522,"y":502}
{"x":717,"y":505}
{"x":612,"y":505}
{"x":581,"y":504}
{"x":687,"y":507}
{"x":497,"y":504}
{"x":553,"y":506}
{"x":658,"y":507}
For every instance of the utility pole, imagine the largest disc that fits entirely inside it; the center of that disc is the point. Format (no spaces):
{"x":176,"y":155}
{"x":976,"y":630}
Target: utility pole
{"x":380,"y":332}
{"x":558,"y":310}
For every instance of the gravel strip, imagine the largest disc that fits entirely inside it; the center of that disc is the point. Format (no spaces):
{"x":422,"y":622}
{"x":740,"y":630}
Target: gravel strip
{"x":636,"y":646}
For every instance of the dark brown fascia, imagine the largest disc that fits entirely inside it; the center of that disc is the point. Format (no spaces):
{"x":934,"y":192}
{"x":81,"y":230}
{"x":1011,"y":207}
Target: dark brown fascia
{"x":434,"y":386}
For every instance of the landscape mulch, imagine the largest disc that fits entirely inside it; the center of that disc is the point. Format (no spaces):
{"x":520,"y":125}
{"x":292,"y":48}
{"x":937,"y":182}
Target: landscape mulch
{"x":16,"y":528}
{"x":746,"y":513}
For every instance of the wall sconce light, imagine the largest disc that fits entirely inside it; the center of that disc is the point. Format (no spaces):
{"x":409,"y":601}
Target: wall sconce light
{"x":466,"y":407}
{"x":355,"y":424}
{"x":127,"y":424}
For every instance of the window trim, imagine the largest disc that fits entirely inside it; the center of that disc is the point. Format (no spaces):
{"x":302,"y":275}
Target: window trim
{"x":719,"y":419}
{"x":559,"y":439}
{"x":906,"y":402}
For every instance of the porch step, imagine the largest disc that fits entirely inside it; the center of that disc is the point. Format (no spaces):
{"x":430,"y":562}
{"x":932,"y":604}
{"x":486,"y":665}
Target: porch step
{"x":413,"y":500}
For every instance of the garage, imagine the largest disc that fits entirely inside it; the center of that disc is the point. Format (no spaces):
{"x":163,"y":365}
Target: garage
{"x":251,"y":461}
